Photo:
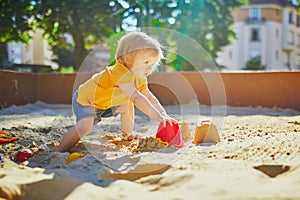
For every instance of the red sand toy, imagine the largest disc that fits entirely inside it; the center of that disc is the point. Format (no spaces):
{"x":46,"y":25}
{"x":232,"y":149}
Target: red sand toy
{"x":23,"y":155}
{"x":170,"y":133}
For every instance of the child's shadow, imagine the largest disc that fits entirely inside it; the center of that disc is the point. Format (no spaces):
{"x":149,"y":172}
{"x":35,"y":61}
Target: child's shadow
{"x":126,"y":166}
{"x":117,"y":160}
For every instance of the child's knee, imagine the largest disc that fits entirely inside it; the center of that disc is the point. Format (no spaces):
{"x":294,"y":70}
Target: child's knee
{"x":84,"y":126}
{"x":83,"y":130}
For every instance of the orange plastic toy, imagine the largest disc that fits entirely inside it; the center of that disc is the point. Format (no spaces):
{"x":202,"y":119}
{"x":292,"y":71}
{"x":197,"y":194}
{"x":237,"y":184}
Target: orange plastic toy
{"x":4,"y":139}
{"x":206,"y":132}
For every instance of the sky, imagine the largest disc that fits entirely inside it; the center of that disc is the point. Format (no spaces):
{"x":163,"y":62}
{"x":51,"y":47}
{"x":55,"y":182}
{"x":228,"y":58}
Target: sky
{"x":295,"y":2}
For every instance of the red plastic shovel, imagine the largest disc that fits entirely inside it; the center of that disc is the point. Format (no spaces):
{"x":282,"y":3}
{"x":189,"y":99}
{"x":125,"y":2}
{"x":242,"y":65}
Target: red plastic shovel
{"x":170,"y":133}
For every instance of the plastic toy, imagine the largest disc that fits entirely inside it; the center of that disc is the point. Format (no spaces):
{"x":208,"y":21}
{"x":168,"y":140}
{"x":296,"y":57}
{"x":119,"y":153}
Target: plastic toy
{"x":74,"y":156}
{"x":170,"y":133}
{"x":23,"y":155}
{"x":206,"y":132}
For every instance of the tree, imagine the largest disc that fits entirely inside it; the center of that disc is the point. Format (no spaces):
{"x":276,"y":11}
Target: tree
{"x":15,"y":20}
{"x":149,"y":12}
{"x":87,"y":21}
{"x":15,"y":23}
{"x":209,"y":22}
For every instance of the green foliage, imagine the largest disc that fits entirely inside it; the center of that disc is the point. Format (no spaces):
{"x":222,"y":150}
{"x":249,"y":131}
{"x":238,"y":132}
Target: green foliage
{"x":79,"y":18}
{"x":254,"y":64}
{"x":69,"y":69}
{"x":208,"y":22}
{"x":113,"y":45}
{"x":16,"y":20}
{"x":147,"y":11}
{"x":88,"y":21}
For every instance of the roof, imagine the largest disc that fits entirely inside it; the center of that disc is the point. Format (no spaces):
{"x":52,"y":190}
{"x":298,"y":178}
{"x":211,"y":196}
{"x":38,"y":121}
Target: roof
{"x":279,"y":2}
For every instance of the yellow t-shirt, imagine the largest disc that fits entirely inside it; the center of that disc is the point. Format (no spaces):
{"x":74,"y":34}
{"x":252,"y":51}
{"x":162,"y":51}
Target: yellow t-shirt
{"x":102,"y":91}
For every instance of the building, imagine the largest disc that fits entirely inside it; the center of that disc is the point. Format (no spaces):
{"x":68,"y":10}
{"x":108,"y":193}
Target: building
{"x":37,"y":52}
{"x":268,"y":30}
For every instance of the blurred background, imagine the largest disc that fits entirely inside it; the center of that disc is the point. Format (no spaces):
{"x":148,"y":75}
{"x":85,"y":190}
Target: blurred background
{"x":56,"y":36}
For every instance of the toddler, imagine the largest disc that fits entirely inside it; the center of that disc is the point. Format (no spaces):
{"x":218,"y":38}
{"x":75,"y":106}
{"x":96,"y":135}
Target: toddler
{"x":117,"y":89}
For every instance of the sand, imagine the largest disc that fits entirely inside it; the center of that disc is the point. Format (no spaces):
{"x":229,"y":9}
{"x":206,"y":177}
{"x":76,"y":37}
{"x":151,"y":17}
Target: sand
{"x":258,"y":157}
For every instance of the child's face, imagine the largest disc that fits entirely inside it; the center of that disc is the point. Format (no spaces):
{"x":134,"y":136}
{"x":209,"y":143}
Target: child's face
{"x":144,"y":62}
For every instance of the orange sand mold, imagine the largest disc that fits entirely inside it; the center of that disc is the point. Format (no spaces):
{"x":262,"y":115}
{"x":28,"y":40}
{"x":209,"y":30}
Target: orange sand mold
{"x":185,"y":132}
{"x":206,"y":132}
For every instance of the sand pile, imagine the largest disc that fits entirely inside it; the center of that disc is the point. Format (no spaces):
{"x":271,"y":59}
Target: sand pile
{"x":258,"y":156}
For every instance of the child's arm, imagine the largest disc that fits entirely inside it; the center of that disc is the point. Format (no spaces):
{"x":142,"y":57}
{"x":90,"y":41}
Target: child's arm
{"x":144,"y":104}
{"x":153,"y":100}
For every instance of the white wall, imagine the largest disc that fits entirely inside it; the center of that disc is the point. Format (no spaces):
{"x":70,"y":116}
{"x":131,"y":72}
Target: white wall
{"x":37,"y":51}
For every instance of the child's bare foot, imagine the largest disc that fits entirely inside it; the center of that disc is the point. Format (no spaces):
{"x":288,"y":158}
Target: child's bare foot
{"x":72,"y":149}
{"x":76,"y":146}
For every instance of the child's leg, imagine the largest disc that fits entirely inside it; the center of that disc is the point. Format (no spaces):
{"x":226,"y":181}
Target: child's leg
{"x":70,"y":139}
{"x":127,"y":118}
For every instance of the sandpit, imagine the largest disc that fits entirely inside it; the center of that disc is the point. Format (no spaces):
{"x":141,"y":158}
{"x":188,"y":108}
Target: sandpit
{"x":257,"y":156}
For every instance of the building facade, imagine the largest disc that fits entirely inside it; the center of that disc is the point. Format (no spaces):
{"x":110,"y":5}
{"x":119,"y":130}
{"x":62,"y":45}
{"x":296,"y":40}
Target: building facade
{"x":268,"y":30}
{"x":37,"y":52}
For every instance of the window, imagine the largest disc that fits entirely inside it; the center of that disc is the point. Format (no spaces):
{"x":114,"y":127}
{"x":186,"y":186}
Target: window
{"x":277,"y":33}
{"x":255,"y":35}
{"x":298,"y":20}
{"x":254,"y":13}
{"x":291,"y":37}
{"x":291,"y":17}
{"x":277,"y":54}
{"x":230,"y":55}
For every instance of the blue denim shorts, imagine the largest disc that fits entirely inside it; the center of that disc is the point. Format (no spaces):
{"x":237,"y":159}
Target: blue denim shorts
{"x":82,"y":112}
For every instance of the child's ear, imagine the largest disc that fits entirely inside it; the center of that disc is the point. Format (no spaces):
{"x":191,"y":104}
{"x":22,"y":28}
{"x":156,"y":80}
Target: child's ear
{"x":128,"y":59}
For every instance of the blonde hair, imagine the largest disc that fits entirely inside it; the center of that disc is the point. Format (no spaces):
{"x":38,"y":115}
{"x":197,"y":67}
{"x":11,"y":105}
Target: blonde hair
{"x":133,"y":42}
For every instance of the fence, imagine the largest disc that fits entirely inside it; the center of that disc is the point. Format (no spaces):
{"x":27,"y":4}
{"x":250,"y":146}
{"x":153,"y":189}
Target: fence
{"x":266,"y":89}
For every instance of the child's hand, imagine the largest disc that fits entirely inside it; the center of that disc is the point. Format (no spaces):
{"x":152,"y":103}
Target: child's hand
{"x":166,"y":118}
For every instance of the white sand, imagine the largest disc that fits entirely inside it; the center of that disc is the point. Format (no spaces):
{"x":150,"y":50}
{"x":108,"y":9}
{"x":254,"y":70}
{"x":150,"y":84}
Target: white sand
{"x":250,"y":137}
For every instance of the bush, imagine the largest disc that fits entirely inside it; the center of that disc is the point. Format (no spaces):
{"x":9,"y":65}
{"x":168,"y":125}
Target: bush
{"x":254,"y":64}
{"x":69,"y":69}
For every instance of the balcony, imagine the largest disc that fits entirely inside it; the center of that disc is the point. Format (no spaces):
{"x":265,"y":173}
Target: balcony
{"x":255,"y":20}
